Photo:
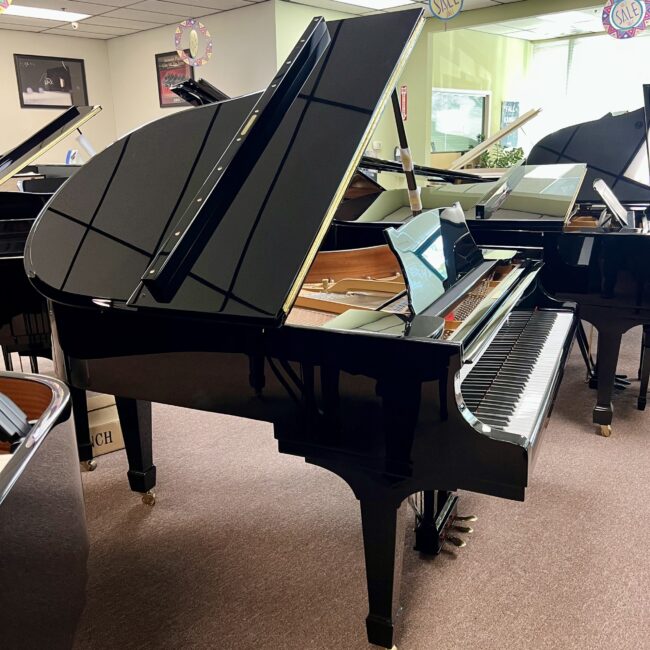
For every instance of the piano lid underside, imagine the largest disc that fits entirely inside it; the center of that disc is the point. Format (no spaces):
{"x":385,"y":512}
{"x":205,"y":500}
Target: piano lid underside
{"x":124,"y":203}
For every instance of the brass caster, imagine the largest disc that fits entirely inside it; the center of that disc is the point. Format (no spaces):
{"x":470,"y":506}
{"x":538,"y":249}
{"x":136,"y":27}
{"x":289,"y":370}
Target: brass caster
{"x":149,"y":498}
{"x":89,"y":465}
{"x":605,"y":430}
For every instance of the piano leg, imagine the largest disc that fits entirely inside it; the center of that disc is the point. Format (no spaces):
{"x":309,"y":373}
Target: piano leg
{"x":80,"y":417}
{"x":644,"y":370}
{"x":383,"y":539}
{"x":135,"y":419}
{"x":429,"y":537}
{"x":609,"y":343}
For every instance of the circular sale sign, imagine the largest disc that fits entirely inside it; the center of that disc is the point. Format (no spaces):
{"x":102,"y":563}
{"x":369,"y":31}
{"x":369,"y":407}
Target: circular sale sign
{"x":4,"y":4}
{"x":445,"y":9}
{"x":626,"y":18}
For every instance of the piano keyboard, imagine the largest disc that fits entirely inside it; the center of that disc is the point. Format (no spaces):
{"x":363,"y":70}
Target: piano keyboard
{"x":510,"y":384}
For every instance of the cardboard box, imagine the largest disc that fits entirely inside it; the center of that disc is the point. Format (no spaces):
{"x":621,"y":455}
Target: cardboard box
{"x":104,"y":423}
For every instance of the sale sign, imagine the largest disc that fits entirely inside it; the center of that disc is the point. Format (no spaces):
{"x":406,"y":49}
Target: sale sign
{"x":626,"y":18}
{"x":445,"y":9}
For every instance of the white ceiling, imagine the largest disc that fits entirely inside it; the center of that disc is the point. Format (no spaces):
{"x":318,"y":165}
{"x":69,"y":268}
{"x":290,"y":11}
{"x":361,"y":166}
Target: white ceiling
{"x":538,"y":28}
{"x":111,"y":18}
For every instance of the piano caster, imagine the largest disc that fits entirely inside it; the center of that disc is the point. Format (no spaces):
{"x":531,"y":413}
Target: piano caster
{"x":149,"y":498}
{"x":89,"y":465}
{"x":605,"y":430}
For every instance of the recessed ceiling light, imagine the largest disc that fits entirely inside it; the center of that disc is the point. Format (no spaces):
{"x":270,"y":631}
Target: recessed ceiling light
{"x":44,"y":14}
{"x":377,"y":4}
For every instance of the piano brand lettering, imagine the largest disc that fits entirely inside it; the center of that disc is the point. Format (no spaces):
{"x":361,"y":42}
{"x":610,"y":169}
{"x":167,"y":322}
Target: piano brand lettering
{"x":445,"y":9}
{"x":102,"y":438}
{"x":626,"y":18}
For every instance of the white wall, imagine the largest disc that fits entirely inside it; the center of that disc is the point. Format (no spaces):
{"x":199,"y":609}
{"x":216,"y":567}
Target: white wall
{"x":16,"y":123}
{"x":243,"y":61}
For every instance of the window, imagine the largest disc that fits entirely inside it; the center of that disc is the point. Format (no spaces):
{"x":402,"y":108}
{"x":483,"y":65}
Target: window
{"x":459,"y":119}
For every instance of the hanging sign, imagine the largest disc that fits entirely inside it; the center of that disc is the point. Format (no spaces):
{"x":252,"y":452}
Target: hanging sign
{"x":445,"y":9}
{"x":626,"y":18}
{"x":404,"y":102}
{"x":193,"y":28}
{"x":4,"y":4}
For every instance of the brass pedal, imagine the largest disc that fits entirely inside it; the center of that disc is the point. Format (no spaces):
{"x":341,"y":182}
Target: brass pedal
{"x":466,"y":518}
{"x":463,"y":529}
{"x":456,"y":541}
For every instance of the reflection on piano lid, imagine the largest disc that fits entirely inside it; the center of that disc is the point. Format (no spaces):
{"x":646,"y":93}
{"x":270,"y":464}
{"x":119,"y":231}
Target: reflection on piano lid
{"x":44,"y":139}
{"x":198,"y":93}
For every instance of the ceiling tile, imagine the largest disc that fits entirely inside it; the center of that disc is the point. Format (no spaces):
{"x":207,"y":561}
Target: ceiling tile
{"x":69,"y":5}
{"x":63,"y":32}
{"x":98,"y":29}
{"x":338,"y":6}
{"x":147,"y":16}
{"x":28,"y":22}
{"x":107,"y":21}
{"x":468,"y":5}
{"x":19,"y":28}
{"x":494,"y":29}
{"x":172,"y":8}
{"x":204,"y":6}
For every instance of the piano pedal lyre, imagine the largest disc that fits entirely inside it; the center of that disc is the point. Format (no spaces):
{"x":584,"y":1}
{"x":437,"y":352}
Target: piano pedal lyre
{"x":89,"y":465}
{"x":149,"y":498}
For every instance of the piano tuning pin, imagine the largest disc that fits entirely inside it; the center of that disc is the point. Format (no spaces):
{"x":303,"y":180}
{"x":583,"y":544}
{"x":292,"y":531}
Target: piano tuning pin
{"x":456,"y":541}
{"x":464,"y":529}
{"x":466,"y":518}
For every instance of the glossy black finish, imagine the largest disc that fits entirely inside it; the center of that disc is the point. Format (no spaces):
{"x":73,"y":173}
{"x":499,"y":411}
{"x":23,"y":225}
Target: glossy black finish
{"x":14,"y":160}
{"x":270,"y":224}
{"x":199,"y":93}
{"x":608,"y":146}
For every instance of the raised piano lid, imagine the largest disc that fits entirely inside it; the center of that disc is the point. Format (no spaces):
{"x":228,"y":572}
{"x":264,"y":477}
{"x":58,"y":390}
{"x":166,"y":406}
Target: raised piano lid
{"x":611,"y":147}
{"x":44,"y":139}
{"x":199,"y":93}
{"x":252,"y":267}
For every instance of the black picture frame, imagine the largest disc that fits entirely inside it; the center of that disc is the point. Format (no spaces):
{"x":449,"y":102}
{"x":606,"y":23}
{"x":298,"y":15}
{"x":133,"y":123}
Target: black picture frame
{"x":50,"y":81}
{"x":171,"y":70}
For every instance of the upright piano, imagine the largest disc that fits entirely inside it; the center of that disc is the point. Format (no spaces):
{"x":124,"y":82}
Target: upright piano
{"x":591,"y":257}
{"x":421,"y":365}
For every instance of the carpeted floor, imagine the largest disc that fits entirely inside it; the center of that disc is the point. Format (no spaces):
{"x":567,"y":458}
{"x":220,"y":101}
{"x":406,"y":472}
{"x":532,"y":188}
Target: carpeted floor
{"x":247,"y":549}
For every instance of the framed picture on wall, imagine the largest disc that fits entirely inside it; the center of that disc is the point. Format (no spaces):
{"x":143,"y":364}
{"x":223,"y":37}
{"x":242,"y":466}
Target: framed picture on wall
{"x":50,"y":81}
{"x":171,"y":70}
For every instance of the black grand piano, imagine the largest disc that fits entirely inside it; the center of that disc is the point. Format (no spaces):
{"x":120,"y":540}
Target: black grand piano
{"x":423,"y":364}
{"x":592,"y":257}
{"x":24,"y":322}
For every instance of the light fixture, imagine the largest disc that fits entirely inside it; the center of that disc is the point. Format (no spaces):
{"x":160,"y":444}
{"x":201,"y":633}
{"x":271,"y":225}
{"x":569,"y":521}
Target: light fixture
{"x":377,"y":4}
{"x":44,"y":14}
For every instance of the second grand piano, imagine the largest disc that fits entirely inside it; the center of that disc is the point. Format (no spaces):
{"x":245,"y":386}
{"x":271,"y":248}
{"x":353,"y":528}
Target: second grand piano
{"x":420,"y":365}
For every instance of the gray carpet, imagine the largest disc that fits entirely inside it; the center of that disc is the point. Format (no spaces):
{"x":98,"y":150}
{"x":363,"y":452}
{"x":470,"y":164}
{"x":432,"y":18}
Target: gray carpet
{"x":249,"y":549}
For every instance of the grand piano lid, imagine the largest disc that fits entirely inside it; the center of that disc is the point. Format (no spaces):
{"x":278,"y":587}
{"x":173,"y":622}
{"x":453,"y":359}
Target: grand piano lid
{"x":108,"y":221}
{"x":44,"y":139}
{"x":614,"y":149}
